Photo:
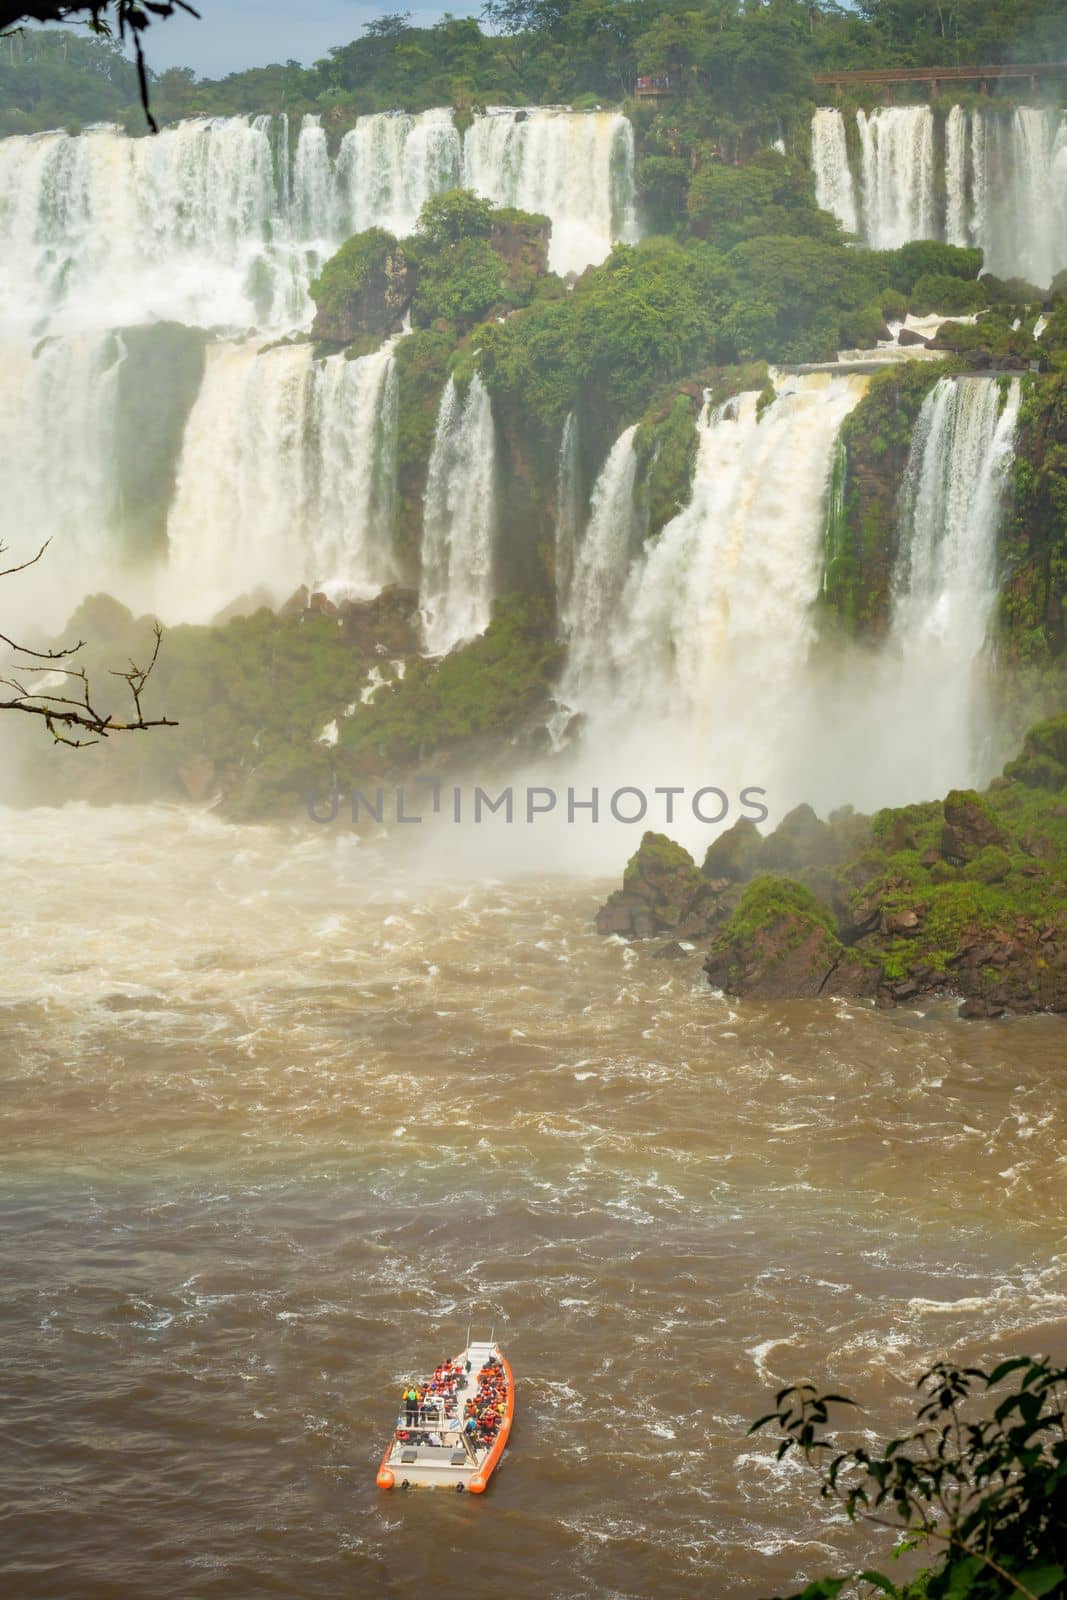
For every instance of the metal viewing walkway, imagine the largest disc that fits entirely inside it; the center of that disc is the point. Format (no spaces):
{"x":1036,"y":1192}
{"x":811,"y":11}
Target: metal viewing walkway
{"x":936,"y":76}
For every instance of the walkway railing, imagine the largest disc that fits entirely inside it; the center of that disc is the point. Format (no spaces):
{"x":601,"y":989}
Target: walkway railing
{"x":936,"y":76}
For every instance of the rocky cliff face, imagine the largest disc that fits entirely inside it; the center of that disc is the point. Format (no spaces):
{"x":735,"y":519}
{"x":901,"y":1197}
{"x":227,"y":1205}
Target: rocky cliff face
{"x":1034,"y":598}
{"x":363,"y":291}
{"x":862,"y":529}
{"x":964,"y":897}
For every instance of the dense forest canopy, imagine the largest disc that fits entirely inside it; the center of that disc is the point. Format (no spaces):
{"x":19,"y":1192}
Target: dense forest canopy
{"x":735,"y":59}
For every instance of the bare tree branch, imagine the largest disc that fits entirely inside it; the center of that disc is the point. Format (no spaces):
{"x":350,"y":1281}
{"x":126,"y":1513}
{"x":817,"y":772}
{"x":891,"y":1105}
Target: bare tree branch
{"x":22,"y":564}
{"x":22,"y":649}
{"x":64,"y":711}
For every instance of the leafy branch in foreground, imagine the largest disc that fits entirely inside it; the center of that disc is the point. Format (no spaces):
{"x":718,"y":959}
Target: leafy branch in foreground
{"x":988,"y":1494}
{"x":74,"y":712}
{"x":132,"y":17}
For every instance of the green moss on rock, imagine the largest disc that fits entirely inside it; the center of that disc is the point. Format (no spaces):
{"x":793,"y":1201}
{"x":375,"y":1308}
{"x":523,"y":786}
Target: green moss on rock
{"x":666,"y":449}
{"x":862,"y":535}
{"x":479,"y":698}
{"x":363,"y":289}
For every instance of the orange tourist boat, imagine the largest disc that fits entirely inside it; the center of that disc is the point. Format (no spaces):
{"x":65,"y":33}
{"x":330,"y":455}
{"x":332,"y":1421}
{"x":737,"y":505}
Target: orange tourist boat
{"x":454,"y":1434}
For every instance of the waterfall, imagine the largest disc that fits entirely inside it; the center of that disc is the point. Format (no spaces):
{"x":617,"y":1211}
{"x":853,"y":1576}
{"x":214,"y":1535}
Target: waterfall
{"x":114,"y":251}
{"x":1004,"y":182}
{"x":835,"y":190}
{"x":689,"y":654}
{"x":601,"y":562}
{"x":945,"y":583}
{"x":285,"y":478}
{"x":568,"y":511}
{"x":59,"y":422}
{"x":716,"y":619}
{"x":1020,"y":181}
{"x":958,"y":228}
{"x":459,"y":521}
{"x":211,"y":225}
{"x":897,"y":144}
{"x":312,"y":204}
{"x":390,"y":164}
{"x":574,"y":167}
{"x":100,"y":230}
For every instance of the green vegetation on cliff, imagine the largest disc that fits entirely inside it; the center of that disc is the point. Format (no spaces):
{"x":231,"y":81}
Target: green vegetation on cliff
{"x":861,"y":527}
{"x":1034,"y":594}
{"x":477,"y":699}
{"x":966,"y":896}
{"x":345,"y":303}
{"x":255,"y":696}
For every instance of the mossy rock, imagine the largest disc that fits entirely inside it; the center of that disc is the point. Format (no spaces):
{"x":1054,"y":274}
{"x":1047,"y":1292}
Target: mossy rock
{"x":364,"y":289}
{"x":735,"y":854}
{"x":782,"y":943}
{"x":662,"y":892}
{"x":1043,"y":763}
{"x":991,"y":865}
{"x":800,"y":840}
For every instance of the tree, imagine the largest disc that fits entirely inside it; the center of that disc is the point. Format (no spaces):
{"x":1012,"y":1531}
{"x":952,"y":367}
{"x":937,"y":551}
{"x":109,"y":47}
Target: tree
{"x":392,"y":26}
{"x":985,"y":1495}
{"x":455,"y":214}
{"x":66,"y":715}
{"x":131,"y":19}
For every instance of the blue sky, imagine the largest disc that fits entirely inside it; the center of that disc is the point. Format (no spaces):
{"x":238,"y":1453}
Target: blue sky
{"x":232,"y":34}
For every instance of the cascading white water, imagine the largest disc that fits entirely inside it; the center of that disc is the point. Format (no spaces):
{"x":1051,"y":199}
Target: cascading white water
{"x":601,"y":562}
{"x":568,"y":511}
{"x":688,"y":655}
{"x":58,"y":421}
{"x":835,"y":189}
{"x":1004,"y":182}
{"x":459,"y":521}
{"x":285,"y":478}
{"x":1019,"y":185}
{"x":101,"y":230}
{"x":574,"y":167}
{"x":221,"y":223}
{"x":390,"y":164}
{"x":312,"y":208}
{"x":957,"y":138}
{"x":716,"y":619}
{"x":897,"y":144}
{"x":206,"y":224}
{"x":945,"y":584}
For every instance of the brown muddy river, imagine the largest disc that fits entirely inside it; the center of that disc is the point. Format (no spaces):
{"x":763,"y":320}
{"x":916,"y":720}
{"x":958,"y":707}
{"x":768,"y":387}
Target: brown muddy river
{"x":278,"y":1113}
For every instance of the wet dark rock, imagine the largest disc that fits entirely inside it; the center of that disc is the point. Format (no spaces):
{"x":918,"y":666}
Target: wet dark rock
{"x":976,"y":1010}
{"x":663,"y":892}
{"x":969,"y":824}
{"x":965,"y":898}
{"x":800,"y":840}
{"x":734,"y":856}
{"x":365,"y":298}
{"x":386,"y":625}
{"x":781,"y":944}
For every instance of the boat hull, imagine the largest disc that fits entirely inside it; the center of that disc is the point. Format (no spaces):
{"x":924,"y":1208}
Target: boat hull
{"x":434,"y":1469}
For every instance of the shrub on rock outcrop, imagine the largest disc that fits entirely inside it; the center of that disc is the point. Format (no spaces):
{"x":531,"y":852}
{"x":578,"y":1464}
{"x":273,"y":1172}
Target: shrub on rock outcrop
{"x":363,"y":290}
{"x":781,"y":943}
{"x":663,"y":892}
